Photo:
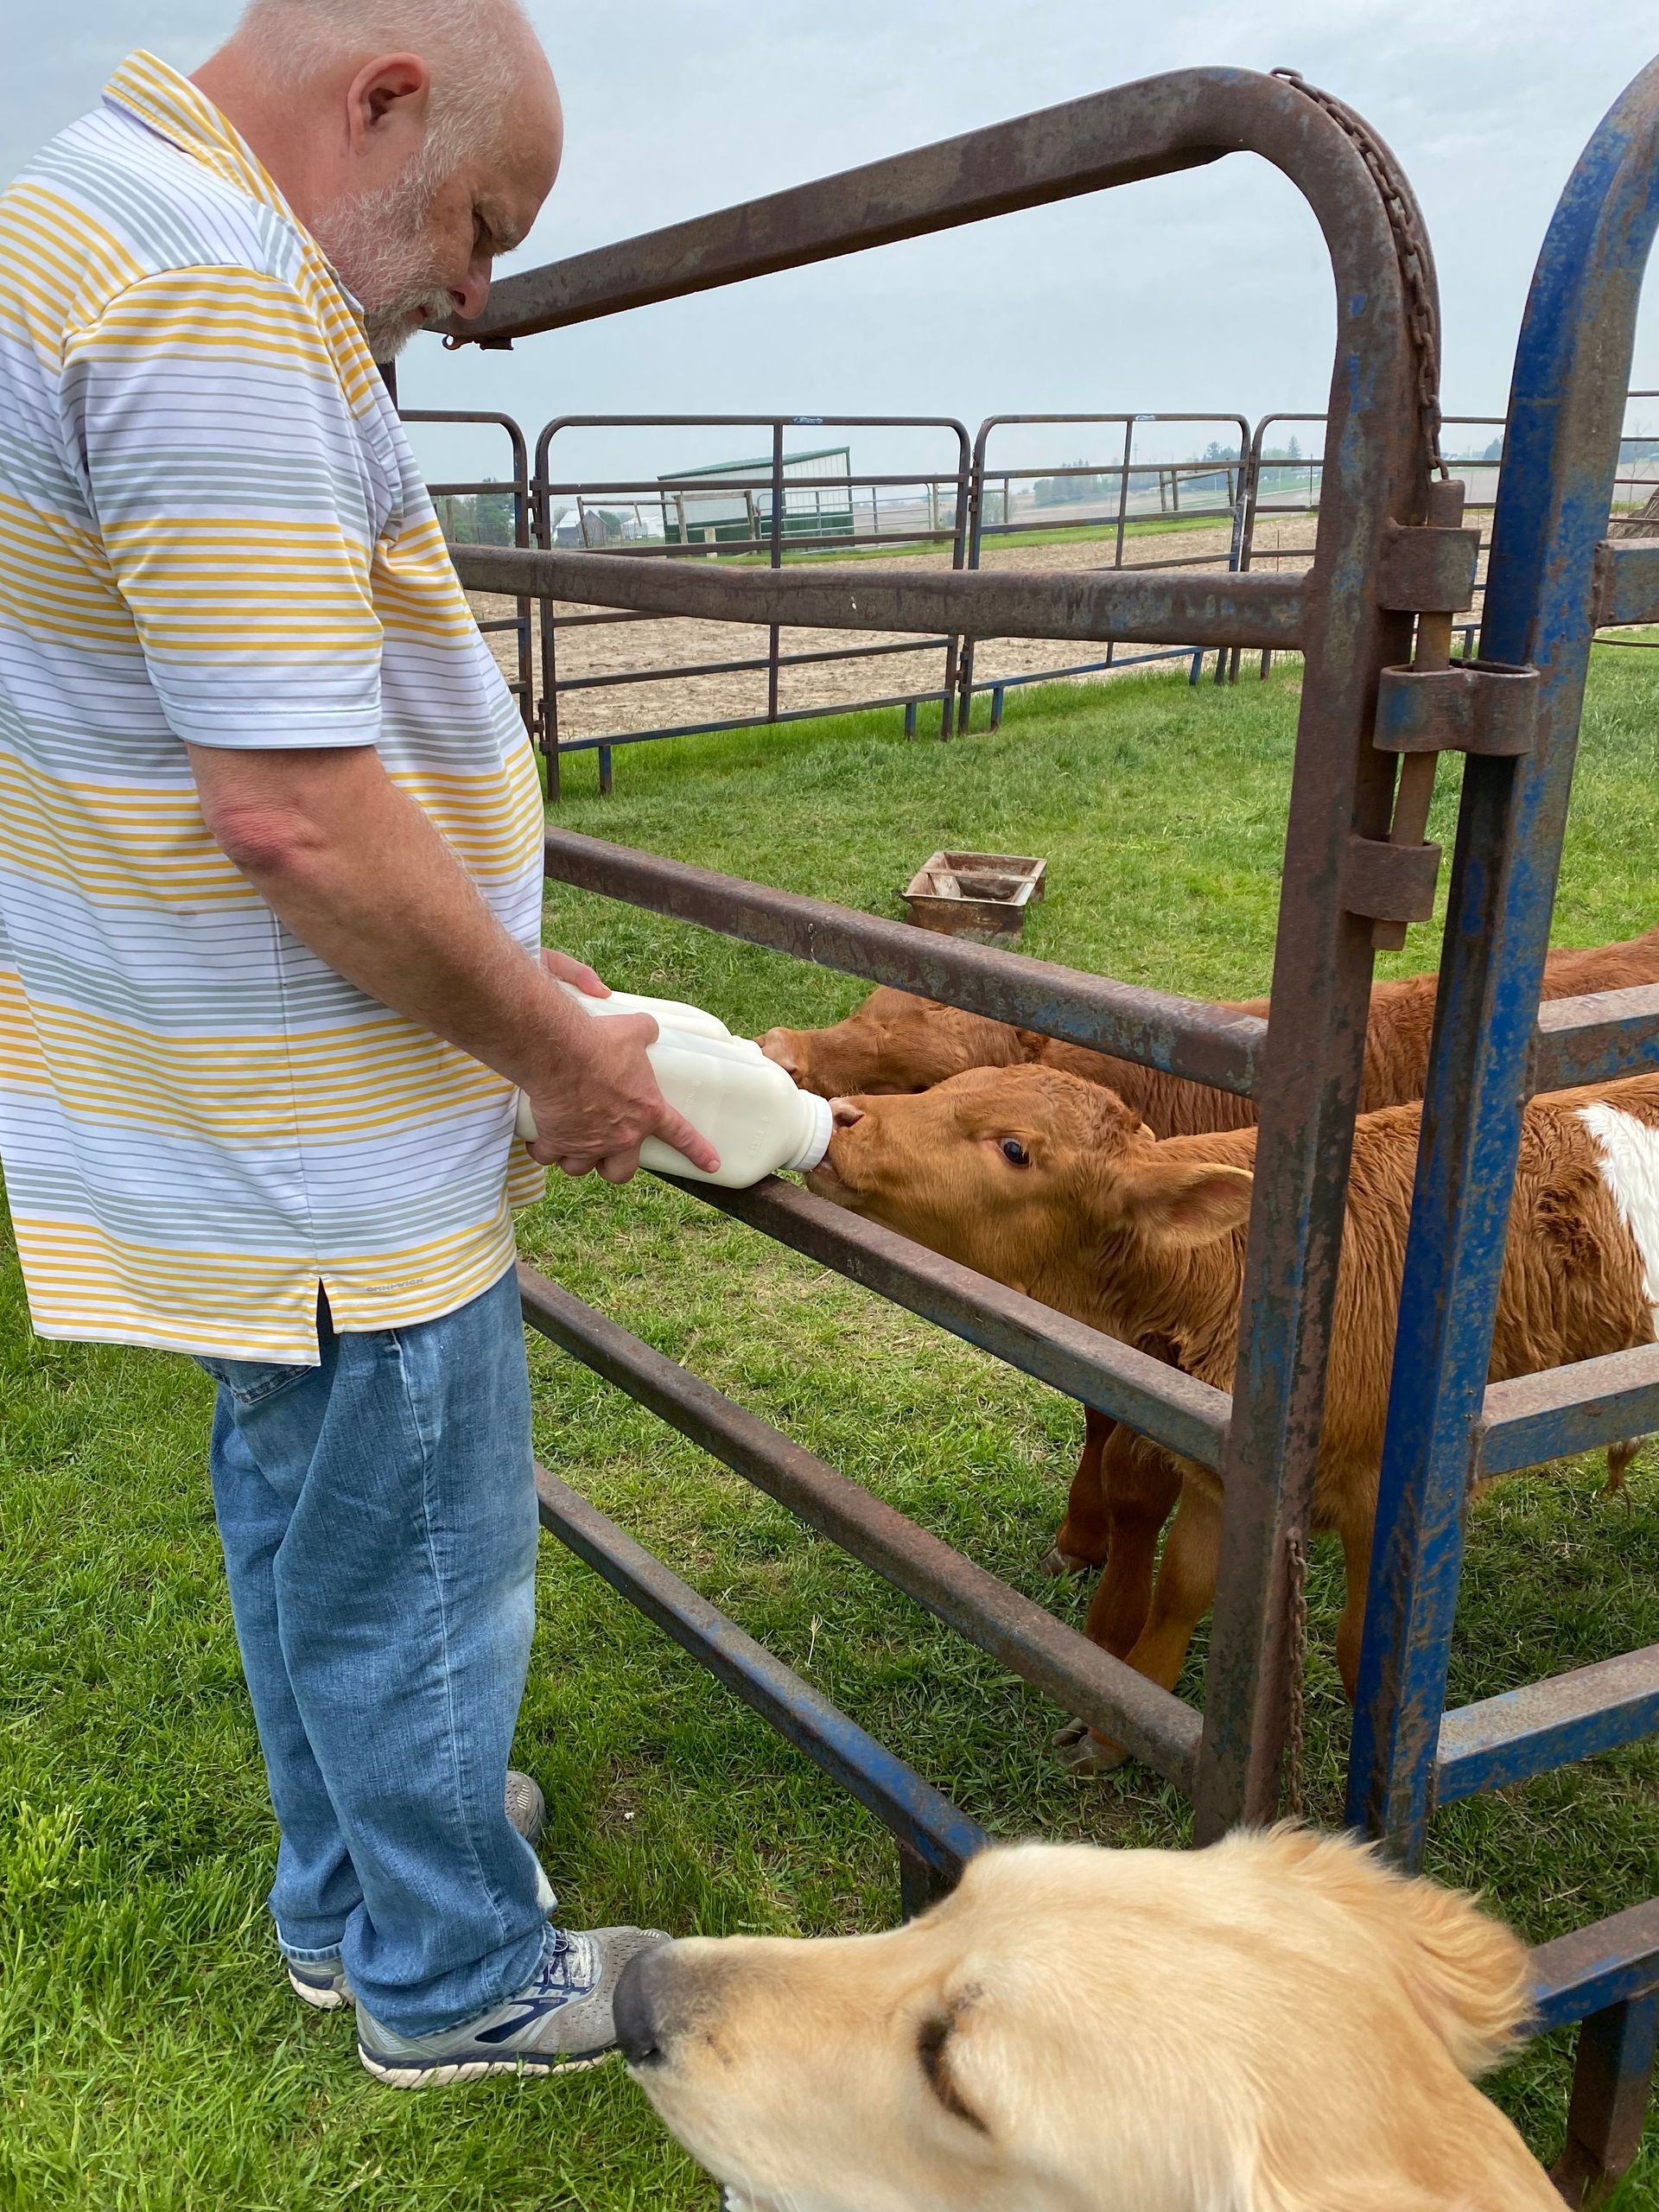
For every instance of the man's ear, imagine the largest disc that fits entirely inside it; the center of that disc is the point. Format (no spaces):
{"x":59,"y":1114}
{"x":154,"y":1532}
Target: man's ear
{"x":1184,"y":1203}
{"x":390,"y":85}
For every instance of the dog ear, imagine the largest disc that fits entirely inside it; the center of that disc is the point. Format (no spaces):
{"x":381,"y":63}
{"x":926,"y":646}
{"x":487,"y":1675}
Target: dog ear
{"x":1466,"y":1975}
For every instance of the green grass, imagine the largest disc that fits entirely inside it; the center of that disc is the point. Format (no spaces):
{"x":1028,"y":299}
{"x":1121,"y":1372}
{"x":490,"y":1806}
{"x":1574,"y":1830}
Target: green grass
{"x":1080,"y":533}
{"x":153,"y":2062}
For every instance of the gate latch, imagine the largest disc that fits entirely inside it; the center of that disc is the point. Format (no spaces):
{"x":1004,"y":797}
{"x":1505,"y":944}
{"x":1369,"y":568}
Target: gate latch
{"x":1430,"y":708}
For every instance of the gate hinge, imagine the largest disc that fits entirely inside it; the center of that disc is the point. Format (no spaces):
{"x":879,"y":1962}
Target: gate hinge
{"x":1389,"y":883}
{"x":1425,"y":570}
{"x":1469,"y":706}
{"x":1473,"y":705}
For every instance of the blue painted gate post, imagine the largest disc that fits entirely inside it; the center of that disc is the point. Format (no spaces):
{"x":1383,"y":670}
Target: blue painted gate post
{"x":1561,"y":450}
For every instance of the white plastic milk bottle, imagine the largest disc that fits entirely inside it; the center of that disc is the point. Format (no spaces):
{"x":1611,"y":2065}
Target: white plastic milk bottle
{"x":747,"y":1106}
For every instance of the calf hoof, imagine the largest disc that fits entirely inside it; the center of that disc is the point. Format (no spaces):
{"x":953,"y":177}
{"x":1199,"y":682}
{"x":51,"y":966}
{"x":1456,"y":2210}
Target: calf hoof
{"x":1058,"y":1563}
{"x":1081,"y":1752}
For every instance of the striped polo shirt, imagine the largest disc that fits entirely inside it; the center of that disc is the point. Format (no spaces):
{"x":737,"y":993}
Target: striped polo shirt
{"x":211,"y":528}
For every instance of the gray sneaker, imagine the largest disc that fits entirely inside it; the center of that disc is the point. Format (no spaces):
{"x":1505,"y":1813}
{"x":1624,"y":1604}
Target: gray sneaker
{"x":559,"y":2022}
{"x":322,"y":1983}
{"x":526,"y":1807}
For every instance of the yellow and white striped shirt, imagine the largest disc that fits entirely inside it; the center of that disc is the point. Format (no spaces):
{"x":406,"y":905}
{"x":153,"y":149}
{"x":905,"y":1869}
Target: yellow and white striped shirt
{"x":211,"y":528}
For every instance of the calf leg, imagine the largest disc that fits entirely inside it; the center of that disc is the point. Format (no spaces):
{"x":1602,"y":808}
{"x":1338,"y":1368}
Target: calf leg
{"x":1142,"y":1485}
{"x":1085,"y":1536}
{"x":1185,"y":1592}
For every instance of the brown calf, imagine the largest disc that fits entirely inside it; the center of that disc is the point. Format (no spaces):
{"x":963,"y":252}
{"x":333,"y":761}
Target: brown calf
{"x":896,"y":1043}
{"x":1056,"y":1187}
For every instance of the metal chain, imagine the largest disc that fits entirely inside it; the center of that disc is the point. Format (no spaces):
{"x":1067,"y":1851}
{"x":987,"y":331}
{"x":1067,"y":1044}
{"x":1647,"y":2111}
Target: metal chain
{"x":1411,"y":250}
{"x":1296,"y":1795}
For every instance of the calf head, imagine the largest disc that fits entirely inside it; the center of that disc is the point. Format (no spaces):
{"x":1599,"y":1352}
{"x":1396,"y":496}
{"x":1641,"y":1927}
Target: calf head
{"x":1030,"y":1175}
{"x":893,"y":1043}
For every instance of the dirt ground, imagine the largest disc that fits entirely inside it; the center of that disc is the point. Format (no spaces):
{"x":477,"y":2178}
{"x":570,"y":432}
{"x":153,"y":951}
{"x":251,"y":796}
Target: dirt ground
{"x":628,"y":642}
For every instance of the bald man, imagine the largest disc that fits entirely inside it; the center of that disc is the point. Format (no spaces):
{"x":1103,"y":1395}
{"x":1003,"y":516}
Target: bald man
{"x":270,"y":971}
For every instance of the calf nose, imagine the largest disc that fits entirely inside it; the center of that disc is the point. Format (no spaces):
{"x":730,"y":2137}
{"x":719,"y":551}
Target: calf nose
{"x":777,"y":1046}
{"x":847,"y":1116}
{"x":634,"y":2008}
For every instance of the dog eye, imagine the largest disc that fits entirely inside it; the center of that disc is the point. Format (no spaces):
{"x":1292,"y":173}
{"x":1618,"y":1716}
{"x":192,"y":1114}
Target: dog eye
{"x":1015,"y":1152}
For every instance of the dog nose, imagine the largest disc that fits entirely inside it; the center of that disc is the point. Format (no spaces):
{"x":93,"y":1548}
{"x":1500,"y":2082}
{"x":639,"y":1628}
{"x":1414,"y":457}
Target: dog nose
{"x":847,"y":1116}
{"x":633,"y":2010}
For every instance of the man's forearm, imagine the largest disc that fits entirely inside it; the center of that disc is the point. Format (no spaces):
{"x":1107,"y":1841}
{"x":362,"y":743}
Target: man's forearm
{"x":361,"y":875}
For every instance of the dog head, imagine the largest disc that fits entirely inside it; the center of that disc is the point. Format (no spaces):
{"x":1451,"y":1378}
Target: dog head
{"x":1082,"y":2030}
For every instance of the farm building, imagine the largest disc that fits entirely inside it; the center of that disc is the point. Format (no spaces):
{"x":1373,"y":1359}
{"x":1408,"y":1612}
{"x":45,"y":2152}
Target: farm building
{"x":729,"y":502}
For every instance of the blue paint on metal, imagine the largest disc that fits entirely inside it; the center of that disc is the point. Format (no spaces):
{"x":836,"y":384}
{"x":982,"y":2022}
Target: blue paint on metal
{"x":921,"y":1820}
{"x":1607,"y":1963}
{"x":1542,"y":1724}
{"x":1553,"y":497}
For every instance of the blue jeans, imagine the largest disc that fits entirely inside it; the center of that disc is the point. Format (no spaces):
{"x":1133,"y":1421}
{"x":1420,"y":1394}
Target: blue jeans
{"x":378,"y":1513}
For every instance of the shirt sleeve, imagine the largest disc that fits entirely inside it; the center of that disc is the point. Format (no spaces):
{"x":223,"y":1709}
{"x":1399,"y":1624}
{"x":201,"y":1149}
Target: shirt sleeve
{"x":236,"y":503}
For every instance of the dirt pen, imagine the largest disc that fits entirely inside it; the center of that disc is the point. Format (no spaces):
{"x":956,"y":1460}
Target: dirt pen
{"x":1392,"y":577}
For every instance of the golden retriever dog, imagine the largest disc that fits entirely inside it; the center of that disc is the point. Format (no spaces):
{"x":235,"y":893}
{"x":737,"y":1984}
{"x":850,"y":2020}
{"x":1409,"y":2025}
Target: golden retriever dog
{"x":1278,"y":2024}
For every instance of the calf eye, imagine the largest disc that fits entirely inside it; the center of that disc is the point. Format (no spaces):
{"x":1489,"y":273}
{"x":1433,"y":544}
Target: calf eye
{"x":1015,"y":1152}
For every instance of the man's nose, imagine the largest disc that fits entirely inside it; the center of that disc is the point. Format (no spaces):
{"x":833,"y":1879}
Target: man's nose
{"x":471,"y":293}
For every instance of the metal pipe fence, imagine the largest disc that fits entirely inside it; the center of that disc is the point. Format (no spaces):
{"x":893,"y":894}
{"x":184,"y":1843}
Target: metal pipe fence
{"x":1284,"y":484}
{"x":1127,"y":500}
{"x":1340,"y":870}
{"x":1384,"y":553}
{"x":763,"y":529}
{"x":522,"y":684}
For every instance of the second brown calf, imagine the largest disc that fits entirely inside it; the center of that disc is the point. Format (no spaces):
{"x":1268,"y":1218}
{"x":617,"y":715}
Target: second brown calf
{"x":1056,"y":1187}
{"x":894,"y":1042}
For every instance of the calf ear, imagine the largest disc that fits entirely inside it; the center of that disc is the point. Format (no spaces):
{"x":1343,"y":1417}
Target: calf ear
{"x":1177,"y":1202}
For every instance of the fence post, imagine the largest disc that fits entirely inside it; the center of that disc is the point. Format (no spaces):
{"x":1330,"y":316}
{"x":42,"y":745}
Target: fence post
{"x":777,"y":560}
{"x":1611,"y":2074}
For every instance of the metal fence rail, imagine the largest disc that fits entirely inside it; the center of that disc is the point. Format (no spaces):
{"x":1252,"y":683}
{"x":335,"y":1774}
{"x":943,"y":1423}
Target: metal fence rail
{"x":993,"y":515}
{"x":767,"y":534}
{"x":1554,"y":574}
{"x":1268,"y":495}
{"x":1383,"y":553}
{"x":517,"y":489}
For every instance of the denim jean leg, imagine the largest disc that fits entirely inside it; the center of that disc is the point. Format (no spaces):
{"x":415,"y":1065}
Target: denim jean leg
{"x":254,"y":1491}
{"x":405,"y":1592}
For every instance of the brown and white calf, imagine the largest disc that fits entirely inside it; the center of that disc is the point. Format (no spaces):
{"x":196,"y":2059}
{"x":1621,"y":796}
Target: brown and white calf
{"x":894,"y":1042}
{"x":1057,"y":1188}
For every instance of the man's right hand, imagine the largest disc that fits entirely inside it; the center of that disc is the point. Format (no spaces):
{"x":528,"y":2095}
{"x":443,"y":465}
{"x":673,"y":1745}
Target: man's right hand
{"x":601,"y":1102}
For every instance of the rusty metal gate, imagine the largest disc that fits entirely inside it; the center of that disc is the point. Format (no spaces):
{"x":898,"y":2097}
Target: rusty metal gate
{"x":1389,"y":548}
{"x":522,"y":682}
{"x":991,"y":516}
{"x":763,"y":535}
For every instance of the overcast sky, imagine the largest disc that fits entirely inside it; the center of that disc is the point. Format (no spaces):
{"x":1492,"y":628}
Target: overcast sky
{"x":1206,"y":291}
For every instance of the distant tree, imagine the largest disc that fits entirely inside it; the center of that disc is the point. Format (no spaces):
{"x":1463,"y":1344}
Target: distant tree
{"x":1294,"y":451}
{"x":494,"y":512}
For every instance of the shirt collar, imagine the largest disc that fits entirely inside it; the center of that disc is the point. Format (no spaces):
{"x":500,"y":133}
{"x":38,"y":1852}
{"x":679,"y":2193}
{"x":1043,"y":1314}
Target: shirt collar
{"x":169,"y":103}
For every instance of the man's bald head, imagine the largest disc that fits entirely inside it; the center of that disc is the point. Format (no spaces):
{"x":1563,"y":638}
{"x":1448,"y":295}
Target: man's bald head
{"x":417,"y":139}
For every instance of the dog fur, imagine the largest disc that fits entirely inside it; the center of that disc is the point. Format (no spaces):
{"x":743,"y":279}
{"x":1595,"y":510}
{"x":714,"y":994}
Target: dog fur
{"x":1278,"y":2024}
